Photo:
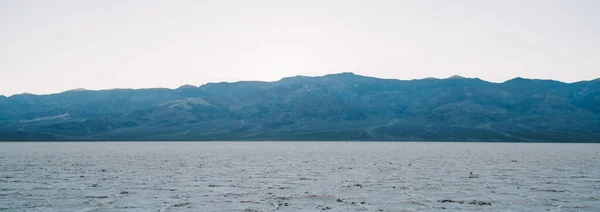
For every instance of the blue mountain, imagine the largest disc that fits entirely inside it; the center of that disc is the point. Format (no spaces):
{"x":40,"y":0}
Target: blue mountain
{"x":341,"y":106}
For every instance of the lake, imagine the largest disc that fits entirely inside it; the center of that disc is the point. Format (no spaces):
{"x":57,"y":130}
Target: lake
{"x":298,"y":176}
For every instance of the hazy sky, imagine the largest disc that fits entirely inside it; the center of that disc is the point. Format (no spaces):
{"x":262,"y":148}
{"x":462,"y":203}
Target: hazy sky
{"x":51,"y":46}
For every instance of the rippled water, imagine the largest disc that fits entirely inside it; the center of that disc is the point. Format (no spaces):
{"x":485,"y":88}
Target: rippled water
{"x":299,"y":176}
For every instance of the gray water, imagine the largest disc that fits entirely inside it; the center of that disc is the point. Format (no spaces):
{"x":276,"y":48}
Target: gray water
{"x":299,"y":176}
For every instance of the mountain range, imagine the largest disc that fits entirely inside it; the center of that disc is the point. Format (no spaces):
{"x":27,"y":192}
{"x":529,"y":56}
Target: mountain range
{"x":335,"y":107}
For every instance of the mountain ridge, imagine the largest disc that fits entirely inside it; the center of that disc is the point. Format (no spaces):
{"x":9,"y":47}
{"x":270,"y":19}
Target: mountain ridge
{"x":302,"y":76}
{"x":342,"y":106}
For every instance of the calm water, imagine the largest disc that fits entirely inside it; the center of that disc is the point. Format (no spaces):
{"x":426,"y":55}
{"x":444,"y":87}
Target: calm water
{"x":279,"y":176}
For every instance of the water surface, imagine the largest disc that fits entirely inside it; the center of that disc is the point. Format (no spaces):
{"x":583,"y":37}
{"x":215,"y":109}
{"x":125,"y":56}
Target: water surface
{"x":298,"y":176}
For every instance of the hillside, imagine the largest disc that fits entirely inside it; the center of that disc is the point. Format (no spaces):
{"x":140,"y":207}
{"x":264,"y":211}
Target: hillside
{"x":333,"y":107}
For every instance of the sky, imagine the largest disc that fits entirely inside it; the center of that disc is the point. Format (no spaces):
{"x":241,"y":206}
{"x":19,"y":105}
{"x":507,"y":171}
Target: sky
{"x":53,"y":46}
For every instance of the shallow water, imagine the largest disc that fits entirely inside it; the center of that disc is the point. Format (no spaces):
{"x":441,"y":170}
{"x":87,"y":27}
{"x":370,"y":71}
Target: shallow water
{"x":299,"y":176}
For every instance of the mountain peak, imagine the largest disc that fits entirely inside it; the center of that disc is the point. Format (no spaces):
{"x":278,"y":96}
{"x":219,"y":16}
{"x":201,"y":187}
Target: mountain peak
{"x":186,"y":86}
{"x":521,"y":79}
{"x":456,"y":77}
{"x":24,"y":94}
{"x":294,"y":78}
{"x":517,"y":79}
{"x":301,"y":77}
{"x":342,"y":74}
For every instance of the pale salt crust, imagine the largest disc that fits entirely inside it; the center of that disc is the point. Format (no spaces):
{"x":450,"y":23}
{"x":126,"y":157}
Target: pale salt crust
{"x":299,"y":176}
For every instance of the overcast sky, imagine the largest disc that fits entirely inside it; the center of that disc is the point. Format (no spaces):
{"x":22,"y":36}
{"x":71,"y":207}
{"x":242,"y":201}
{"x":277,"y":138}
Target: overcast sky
{"x":52,"y":46}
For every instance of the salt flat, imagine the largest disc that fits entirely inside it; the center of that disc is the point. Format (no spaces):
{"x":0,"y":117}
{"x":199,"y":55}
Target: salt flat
{"x":299,"y":176}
